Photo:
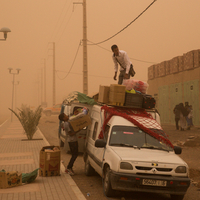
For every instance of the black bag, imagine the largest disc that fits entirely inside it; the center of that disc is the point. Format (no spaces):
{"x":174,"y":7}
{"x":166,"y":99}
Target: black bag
{"x":132,"y":71}
{"x":148,"y":102}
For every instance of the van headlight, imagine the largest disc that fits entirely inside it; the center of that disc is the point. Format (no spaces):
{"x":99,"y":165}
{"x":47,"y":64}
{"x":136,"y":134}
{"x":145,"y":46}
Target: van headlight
{"x":126,"y":165}
{"x":181,"y":169}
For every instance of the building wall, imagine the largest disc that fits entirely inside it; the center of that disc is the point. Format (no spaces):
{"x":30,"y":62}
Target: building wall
{"x":176,"y":81}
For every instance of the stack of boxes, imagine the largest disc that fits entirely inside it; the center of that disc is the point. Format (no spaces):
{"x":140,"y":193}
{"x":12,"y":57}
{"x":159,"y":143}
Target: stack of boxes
{"x":112,"y":95}
{"x":104,"y":94}
{"x":117,"y":94}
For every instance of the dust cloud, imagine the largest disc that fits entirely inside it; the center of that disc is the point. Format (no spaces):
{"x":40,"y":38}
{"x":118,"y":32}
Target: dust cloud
{"x":167,"y":29}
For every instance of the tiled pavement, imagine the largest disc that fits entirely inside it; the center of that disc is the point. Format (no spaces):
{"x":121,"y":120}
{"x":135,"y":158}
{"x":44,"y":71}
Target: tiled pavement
{"x":21,"y":155}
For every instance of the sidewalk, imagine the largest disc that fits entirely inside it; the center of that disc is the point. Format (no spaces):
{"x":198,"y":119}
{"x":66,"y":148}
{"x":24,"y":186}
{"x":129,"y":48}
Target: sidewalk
{"x":23,"y":156}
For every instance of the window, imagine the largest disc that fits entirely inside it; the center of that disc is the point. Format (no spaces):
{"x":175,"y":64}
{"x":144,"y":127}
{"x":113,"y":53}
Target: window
{"x":95,"y":131}
{"x":133,"y":136}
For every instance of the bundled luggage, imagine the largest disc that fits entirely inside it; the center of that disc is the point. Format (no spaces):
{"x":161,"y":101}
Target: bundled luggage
{"x":131,"y":93}
{"x":148,"y":102}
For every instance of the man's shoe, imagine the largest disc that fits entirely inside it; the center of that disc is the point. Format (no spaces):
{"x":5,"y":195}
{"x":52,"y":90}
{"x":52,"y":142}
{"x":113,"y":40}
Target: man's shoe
{"x":72,"y":170}
{"x":69,"y":171}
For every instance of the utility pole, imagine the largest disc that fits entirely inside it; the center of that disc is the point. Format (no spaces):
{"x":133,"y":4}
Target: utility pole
{"x":44,"y":103}
{"x":54,"y":77}
{"x":85,"y":68}
{"x":13,"y":73}
{"x":17,"y":83}
{"x":54,"y":74}
{"x":45,"y":80}
{"x":41,"y":86}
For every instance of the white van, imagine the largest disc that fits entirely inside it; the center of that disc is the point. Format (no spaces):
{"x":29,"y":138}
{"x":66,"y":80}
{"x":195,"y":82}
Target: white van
{"x":129,"y":159}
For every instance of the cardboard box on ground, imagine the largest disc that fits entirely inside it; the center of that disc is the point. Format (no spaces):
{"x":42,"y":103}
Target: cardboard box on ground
{"x":10,"y":179}
{"x":49,"y":164}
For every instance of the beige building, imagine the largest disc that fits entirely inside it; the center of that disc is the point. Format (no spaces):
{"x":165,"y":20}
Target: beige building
{"x":176,"y":81}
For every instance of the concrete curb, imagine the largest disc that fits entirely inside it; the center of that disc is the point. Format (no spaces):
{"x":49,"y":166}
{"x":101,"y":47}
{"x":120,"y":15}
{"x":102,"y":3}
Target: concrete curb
{"x":69,"y":179}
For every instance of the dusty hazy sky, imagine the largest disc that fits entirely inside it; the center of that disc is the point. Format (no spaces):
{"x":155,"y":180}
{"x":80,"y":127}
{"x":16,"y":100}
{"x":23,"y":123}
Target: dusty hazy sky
{"x":168,"y":29}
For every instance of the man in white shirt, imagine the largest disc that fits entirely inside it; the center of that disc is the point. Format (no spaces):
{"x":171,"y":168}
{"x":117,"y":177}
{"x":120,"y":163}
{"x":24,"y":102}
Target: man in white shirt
{"x":120,"y":57}
{"x":72,"y":141}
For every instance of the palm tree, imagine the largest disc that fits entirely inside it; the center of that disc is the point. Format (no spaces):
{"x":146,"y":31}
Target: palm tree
{"x":29,"y":119}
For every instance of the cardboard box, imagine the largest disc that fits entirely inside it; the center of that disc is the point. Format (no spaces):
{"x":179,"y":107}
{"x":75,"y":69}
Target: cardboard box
{"x":50,"y":161}
{"x":80,"y":123}
{"x":10,"y":179}
{"x":117,"y":88}
{"x":116,"y":97}
{"x":104,"y":94}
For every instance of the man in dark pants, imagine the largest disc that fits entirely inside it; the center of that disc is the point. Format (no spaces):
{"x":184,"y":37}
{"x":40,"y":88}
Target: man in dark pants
{"x":177,"y":113}
{"x":72,"y":141}
{"x":120,"y":57}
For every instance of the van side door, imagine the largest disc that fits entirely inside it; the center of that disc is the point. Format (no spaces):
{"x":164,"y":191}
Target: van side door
{"x":96,"y":154}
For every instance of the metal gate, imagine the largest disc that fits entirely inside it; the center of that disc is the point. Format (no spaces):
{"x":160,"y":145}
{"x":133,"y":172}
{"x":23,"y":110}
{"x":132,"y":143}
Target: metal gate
{"x":175,"y":98}
{"x":191,"y":95}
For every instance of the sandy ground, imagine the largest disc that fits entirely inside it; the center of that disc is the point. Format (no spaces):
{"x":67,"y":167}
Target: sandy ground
{"x":93,"y":185}
{"x":189,"y":140}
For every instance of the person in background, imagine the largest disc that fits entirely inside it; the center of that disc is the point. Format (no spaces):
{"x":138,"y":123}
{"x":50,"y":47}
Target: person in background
{"x":120,"y":57}
{"x":177,"y":113}
{"x":189,"y":118}
{"x":183,"y":114}
{"x":72,"y":141}
{"x":188,"y":110}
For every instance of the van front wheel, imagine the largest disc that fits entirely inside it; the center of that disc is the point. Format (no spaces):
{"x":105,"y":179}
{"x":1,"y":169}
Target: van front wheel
{"x":89,"y":170}
{"x":107,"y":183}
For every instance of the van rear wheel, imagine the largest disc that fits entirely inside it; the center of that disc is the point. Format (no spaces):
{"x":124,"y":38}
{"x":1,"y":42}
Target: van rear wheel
{"x":89,"y":170}
{"x":107,"y":183}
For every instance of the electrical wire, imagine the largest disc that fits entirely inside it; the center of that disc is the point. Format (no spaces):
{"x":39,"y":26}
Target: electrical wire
{"x":129,"y":57}
{"x":82,"y":74}
{"x":57,"y":29}
{"x":73,"y":61}
{"x":66,"y":25}
{"x":127,"y":25}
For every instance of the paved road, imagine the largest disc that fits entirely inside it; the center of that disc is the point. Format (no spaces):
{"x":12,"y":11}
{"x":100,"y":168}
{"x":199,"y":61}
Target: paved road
{"x":93,"y":184}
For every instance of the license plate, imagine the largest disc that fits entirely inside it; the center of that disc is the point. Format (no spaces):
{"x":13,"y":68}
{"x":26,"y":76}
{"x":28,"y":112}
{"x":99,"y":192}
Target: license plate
{"x":154,"y":182}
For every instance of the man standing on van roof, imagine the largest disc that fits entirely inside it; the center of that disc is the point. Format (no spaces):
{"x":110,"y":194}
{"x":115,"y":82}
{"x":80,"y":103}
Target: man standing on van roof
{"x":72,"y":141}
{"x":120,"y":57}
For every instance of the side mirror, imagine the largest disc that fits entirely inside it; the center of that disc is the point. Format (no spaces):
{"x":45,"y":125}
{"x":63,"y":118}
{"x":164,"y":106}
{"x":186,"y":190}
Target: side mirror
{"x":177,"y":150}
{"x":100,"y":143}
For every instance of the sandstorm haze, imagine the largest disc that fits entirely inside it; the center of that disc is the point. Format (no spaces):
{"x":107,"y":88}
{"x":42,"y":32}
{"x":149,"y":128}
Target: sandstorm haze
{"x":167,"y":29}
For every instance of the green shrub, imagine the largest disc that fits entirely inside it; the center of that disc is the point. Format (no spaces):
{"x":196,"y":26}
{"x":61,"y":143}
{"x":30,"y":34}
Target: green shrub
{"x":29,"y":119}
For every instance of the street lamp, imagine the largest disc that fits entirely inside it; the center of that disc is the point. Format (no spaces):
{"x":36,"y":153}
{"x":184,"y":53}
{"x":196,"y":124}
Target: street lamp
{"x":17,"y":83}
{"x":13,"y":73}
{"x":5,"y":30}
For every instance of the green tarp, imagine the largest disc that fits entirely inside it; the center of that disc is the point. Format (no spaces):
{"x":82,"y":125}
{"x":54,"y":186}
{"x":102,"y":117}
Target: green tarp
{"x":83,"y":98}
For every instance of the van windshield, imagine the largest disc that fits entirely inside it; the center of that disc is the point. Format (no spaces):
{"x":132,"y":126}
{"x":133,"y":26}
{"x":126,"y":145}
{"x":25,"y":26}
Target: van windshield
{"x":128,"y":136}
